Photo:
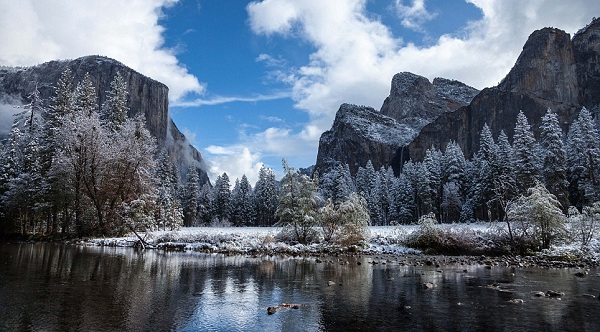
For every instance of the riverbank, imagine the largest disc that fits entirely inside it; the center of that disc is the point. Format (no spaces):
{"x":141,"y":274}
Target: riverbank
{"x":385,"y":243}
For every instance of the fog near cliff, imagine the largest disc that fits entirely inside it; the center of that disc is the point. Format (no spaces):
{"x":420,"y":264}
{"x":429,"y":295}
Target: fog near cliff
{"x":7,"y":116}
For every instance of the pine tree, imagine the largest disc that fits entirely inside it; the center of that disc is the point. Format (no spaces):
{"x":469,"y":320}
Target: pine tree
{"x":86,"y":98}
{"x":298,"y":203}
{"x":222,"y":199}
{"x":169,"y":214}
{"x":554,"y":159}
{"x":412,"y":171}
{"x":583,"y":161}
{"x":341,"y":185}
{"x":266,"y":197}
{"x":527,"y":164}
{"x":114,"y":109}
{"x":403,"y":205}
{"x":481,"y":188}
{"x":242,"y":201}
{"x":190,"y":197}
{"x":205,"y":205}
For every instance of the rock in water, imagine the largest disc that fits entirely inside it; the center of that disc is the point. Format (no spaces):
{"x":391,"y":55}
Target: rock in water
{"x":429,"y":285}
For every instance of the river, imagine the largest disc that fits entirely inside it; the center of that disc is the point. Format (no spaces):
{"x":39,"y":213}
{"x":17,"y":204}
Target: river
{"x":60,"y":287}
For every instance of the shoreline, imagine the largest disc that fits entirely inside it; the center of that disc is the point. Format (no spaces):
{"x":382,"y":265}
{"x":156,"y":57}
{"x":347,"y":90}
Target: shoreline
{"x":384,"y":243}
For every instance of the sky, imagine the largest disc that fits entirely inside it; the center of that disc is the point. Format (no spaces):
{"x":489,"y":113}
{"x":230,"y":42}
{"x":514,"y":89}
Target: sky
{"x":253,"y":82}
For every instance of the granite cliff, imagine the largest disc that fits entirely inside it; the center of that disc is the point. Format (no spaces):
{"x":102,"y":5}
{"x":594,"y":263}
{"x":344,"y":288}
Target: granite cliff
{"x":146,"y":96}
{"x":360,"y":133}
{"x":553,"y":71}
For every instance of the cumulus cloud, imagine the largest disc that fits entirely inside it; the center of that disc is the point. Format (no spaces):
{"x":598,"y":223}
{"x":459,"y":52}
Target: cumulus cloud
{"x":235,"y":160}
{"x":36,"y":31}
{"x":414,"y":15}
{"x":356,"y":55}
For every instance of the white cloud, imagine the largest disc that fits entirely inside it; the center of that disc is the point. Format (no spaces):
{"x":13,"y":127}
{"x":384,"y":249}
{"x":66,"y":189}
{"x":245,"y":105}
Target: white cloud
{"x":230,"y":99}
{"x":235,"y":160}
{"x":357,"y":55}
{"x":248,"y":155}
{"x":36,"y":31}
{"x":414,"y":15}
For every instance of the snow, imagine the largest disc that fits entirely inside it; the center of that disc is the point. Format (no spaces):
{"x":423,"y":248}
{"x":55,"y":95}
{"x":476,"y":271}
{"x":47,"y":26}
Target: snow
{"x":383,"y":239}
{"x":263,"y":240}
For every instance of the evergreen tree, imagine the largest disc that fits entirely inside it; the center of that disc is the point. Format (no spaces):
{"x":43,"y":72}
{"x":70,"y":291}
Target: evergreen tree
{"x":527,"y":164}
{"x":190,"y":197}
{"x":86,"y":98}
{"x":222,"y":199}
{"x":114,"y":109}
{"x":403,"y":205}
{"x":342,"y":185}
{"x":169,"y":214}
{"x":298,"y":203}
{"x":554,"y":159}
{"x":266,"y":197}
{"x":412,"y":171}
{"x":583,"y":161}
{"x":242,"y":200}
{"x":453,"y":179}
{"x":205,"y":205}
{"x":481,"y":188}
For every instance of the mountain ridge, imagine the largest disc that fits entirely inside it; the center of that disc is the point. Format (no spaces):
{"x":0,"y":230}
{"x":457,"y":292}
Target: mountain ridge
{"x":146,"y":96}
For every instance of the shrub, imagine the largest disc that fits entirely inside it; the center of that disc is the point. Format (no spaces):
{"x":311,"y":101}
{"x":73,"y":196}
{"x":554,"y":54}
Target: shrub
{"x":536,"y":218}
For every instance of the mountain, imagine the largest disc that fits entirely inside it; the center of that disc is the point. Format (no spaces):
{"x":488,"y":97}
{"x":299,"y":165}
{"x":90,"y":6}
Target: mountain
{"x":146,"y":96}
{"x":553,"y":71}
{"x":361,"y":133}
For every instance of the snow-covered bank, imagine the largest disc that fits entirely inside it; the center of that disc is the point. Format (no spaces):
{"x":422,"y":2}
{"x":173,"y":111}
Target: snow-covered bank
{"x":382,"y":240}
{"x":255,"y":240}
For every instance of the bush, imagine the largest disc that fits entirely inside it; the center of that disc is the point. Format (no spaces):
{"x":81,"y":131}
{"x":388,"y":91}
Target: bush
{"x":433,"y":239}
{"x":347,"y":223}
{"x":535,"y":218}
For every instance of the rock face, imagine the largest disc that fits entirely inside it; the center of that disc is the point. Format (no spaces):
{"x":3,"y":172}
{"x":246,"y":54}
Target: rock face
{"x":553,"y":71}
{"x":415,"y":101}
{"x":146,"y":96}
{"x":360,"y":134}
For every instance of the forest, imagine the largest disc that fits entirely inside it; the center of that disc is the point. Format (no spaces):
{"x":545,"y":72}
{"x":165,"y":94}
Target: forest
{"x":76,"y":168}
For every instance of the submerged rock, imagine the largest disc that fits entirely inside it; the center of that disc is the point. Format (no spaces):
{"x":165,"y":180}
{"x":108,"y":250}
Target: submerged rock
{"x":555,"y":294}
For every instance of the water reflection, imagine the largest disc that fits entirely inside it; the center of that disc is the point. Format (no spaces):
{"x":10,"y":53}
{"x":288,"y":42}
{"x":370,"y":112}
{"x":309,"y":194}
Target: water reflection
{"x":61,"y":287}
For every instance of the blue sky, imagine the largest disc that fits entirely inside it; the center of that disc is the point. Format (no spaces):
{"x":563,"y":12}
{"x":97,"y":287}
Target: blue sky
{"x":252,"y":82}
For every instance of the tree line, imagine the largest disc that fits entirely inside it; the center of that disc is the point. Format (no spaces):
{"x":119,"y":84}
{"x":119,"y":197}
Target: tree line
{"x":72,"y":167}
{"x":455,"y":188}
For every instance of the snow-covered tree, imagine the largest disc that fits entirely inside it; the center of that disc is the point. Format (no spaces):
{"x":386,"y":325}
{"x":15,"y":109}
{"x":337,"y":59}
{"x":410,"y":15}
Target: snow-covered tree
{"x":526,"y":152}
{"x":554,"y":168}
{"x":403,"y":205}
{"x":298,"y":204}
{"x":583,"y":161}
{"x":190,"y":197}
{"x":222,"y":199}
{"x":584,"y":225}
{"x":266,"y":197}
{"x":535,"y":217}
{"x":205,"y":204}
{"x":242,"y":199}
{"x":114,"y":109}
{"x":86,"y":97}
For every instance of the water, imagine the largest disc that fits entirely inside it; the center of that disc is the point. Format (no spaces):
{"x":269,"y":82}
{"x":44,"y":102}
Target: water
{"x":70,"y":288}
